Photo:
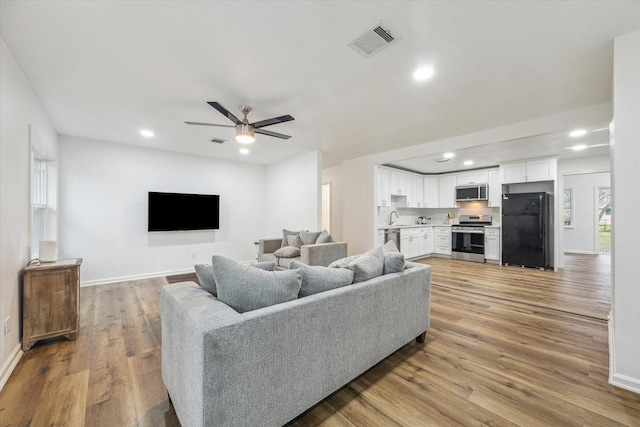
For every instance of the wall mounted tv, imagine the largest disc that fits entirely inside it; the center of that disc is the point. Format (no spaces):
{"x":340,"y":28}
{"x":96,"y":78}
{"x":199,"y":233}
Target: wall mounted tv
{"x":179,"y":211}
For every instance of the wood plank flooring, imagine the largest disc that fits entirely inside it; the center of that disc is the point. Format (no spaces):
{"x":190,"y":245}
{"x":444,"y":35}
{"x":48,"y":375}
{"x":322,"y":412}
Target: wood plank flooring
{"x":490,"y":359}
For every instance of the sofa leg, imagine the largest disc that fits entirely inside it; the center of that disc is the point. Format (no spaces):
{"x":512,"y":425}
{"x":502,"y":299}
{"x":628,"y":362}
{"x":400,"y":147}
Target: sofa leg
{"x":420,"y":338}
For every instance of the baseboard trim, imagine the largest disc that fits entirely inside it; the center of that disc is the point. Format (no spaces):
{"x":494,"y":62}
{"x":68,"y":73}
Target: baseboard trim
{"x":10,"y":365}
{"x":623,"y":381}
{"x":110,"y":280}
{"x":577,"y":251}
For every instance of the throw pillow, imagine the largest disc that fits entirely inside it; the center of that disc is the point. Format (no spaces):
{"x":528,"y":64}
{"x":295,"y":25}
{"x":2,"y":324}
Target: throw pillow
{"x":342,"y":262}
{"x":309,"y":237}
{"x":317,"y":279}
{"x":393,"y":260}
{"x":287,"y":252}
{"x":244,"y":288}
{"x":205,"y":277}
{"x":208,"y":282}
{"x":365,"y":267}
{"x":294,"y":240}
{"x":286,"y":233}
{"x":324,"y":237}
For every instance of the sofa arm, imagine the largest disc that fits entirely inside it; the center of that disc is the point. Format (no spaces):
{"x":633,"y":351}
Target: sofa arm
{"x":322,"y":253}
{"x":268,"y":246}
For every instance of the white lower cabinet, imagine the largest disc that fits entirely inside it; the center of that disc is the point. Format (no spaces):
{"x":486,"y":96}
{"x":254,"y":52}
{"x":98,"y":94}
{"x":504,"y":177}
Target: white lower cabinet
{"x":416,"y":242}
{"x":379,"y":237}
{"x":442,"y":240}
{"x":492,"y":244}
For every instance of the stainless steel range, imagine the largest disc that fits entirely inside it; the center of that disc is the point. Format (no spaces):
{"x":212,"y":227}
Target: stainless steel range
{"x":467,"y":238}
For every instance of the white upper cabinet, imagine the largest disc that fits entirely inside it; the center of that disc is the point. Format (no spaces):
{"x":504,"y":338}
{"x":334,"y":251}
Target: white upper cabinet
{"x":383,"y":182}
{"x":530,"y":171}
{"x":447,"y":191}
{"x":495,"y":189}
{"x":398,"y":183}
{"x":472,"y":177}
{"x":430,"y":192}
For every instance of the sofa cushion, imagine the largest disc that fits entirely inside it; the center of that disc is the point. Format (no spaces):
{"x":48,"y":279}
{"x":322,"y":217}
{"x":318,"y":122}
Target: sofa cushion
{"x":393,"y":259}
{"x":245,"y":288}
{"x":365,"y":267}
{"x":324,"y":237}
{"x":287,"y":252}
{"x":342,"y":262}
{"x":208,"y":282}
{"x":317,"y":279}
{"x":286,"y":233}
{"x":309,"y":237}
{"x":294,"y":240}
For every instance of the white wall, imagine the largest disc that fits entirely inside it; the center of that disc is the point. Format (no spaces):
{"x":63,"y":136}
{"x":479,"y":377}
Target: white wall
{"x":333,"y":176}
{"x":103,"y":205}
{"x":19,"y":109}
{"x":582,"y":237}
{"x":294,"y":195}
{"x":624,"y":335}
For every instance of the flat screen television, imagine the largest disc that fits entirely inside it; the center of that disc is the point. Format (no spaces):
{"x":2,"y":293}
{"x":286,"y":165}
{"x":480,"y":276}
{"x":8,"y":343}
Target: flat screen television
{"x":179,"y":211}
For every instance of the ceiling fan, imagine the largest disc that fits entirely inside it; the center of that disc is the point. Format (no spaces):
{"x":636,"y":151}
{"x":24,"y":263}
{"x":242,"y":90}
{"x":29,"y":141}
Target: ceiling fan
{"x":244,"y":130}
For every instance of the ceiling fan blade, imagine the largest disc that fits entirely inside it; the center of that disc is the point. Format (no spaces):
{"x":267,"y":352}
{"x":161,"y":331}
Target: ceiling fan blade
{"x":273,"y":121}
{"x":228,"y":114}
{"x":274,"y":134}
{"x":209,"y":124}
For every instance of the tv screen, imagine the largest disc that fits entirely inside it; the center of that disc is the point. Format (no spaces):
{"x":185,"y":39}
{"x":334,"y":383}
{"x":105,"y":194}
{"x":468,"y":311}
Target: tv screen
{"x":178,"y":211}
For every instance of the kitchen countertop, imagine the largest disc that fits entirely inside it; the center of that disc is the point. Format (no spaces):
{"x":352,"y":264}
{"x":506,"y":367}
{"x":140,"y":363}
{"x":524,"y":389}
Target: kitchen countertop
{"x":386,"y":227}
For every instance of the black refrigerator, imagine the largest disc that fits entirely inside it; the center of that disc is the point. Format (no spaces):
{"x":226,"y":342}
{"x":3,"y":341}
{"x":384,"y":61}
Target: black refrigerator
{"x":526,"y":230}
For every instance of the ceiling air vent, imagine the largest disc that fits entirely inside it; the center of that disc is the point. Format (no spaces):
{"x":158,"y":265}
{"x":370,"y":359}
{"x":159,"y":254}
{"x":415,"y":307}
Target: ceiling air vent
{"x":216,"y":140}
{"x":373,"y":40}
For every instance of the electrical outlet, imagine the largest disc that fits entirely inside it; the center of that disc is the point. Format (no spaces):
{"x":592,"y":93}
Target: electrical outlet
{"x":193,"y":255}
{"x":7,"y":326}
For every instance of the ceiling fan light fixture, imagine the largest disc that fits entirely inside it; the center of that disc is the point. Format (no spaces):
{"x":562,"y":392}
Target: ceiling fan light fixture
{"x":245,"y":133}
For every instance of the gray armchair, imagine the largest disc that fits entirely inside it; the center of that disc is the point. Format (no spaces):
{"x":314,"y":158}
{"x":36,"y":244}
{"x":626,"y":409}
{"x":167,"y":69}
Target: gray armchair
{"x":315,"y":254}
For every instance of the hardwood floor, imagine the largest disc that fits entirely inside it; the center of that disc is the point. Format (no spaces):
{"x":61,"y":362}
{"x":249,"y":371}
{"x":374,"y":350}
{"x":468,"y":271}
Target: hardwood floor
{"x":490,"y":358}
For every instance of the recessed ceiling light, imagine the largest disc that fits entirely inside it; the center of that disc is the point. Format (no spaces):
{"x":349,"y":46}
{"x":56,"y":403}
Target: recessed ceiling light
{"x":578,"y":147}
{"x":146,"y":133}
{"x":577,"y":133}
{"x":448,"y":155}
{"x":468,"y":162}
{"x":244,"y":151}
{"x":423,"y":73}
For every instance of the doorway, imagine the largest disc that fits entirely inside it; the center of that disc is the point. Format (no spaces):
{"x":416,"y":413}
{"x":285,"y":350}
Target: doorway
{"x":603,"y":219}
{"x":326,"y":207}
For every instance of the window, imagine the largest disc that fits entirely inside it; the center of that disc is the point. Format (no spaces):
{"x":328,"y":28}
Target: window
{"x":568,"y":207}
{"x":38,"y":202}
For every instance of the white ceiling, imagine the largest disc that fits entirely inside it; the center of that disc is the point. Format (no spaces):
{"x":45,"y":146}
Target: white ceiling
{"x":103,"y":70}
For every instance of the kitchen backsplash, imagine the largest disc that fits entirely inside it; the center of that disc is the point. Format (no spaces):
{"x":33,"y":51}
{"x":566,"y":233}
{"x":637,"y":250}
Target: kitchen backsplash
{"x":409,"y":216}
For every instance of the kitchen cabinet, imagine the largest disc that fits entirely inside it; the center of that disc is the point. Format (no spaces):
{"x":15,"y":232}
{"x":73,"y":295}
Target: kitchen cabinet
{"x":447,"y":191}
{"x":492,"y":244}
{"x":398,"y":183}
{"x":50,"y":301}
{"x":405,"y":242}
{"x":383,"y":182}
{"x":442,"y":240}
{"x":495,"y":189}
{"x":379,"y":237}
{"x":529,"y":171}
{"x":427,"y":240}
{"x":472,"y":177}
{"x":418,"y":197}
{"x":430,"y":184}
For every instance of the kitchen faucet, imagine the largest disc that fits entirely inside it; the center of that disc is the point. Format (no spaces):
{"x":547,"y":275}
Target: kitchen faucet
{"x":391,"y":215}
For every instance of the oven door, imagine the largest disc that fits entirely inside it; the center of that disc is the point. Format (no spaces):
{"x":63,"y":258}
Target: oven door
{"x":468,"y":245}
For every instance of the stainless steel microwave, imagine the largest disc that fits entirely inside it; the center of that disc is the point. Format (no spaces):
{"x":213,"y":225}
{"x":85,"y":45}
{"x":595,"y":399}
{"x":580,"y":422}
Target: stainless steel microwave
{"x":468,"y":193}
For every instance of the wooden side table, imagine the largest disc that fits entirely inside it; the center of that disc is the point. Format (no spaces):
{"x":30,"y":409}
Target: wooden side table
{"x":50,"y":301}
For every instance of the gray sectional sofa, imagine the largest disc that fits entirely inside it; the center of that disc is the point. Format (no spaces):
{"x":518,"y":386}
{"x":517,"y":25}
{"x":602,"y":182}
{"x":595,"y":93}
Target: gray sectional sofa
{"x":265,"y":367}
